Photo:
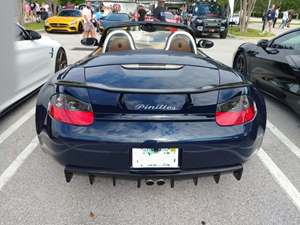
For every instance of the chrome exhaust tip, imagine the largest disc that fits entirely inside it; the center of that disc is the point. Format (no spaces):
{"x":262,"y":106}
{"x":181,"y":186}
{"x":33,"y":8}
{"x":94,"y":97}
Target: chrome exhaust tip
{"x":160,"y":182}
{"x":149,"y":182}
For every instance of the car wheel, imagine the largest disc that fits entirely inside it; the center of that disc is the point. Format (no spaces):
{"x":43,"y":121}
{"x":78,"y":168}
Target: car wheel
{"x":80,"y":28}
{"x":61,"y":60}
{"x":223,"y":35}
{"x":240,"y":63}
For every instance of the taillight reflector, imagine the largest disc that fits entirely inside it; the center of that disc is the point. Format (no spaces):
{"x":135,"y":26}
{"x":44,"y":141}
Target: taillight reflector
{"x":235,"y":112}
{"x":71,"y":111}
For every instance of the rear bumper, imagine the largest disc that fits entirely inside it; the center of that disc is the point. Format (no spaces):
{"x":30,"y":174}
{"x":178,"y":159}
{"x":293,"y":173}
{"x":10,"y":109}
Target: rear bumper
{"x":107,"y":146}
{"x":201,"y":29}
{"x":171,"y":175}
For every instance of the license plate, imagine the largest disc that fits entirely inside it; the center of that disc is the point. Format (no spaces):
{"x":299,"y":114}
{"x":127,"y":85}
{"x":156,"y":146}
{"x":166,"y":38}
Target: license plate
{"x":200,"y":28}
{"x":151,"y":158}
{"x":211,"y":30}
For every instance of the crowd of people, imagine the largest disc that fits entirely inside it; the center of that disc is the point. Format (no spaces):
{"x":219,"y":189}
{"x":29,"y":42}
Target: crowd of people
{"x":34,"y":12}
{"x":92,"y":19}
{"x":271,"y":16}
{"x":158,"y":13}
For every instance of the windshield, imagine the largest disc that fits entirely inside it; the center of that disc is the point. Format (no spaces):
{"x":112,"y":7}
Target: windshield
{"x":70,"y":13}
{"x":117,"y":17}
{"x":209,"y":10}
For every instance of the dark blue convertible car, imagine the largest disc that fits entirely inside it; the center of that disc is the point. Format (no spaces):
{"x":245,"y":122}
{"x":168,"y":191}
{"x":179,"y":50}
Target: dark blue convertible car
{"x":147,"y":104}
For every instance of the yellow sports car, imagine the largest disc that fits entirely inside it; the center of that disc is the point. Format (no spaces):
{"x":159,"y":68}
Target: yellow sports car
{"x":67,"y":20}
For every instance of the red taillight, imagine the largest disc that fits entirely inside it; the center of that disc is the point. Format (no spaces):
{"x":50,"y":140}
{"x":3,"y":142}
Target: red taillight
{"x":67,"y":109}
{"x":235,"y":112}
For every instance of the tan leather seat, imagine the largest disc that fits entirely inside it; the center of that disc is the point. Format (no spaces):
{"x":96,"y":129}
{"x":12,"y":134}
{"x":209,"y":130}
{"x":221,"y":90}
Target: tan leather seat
{"x":181,"y":41}
{"x":118,"y":43}
{"x":181,"y":44}
{"x":118,"y":40}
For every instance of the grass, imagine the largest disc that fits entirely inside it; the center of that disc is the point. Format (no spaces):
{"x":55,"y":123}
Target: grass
{"x":278,"y":22}
{"x":34,"y":26}
{"x":253,"y":33}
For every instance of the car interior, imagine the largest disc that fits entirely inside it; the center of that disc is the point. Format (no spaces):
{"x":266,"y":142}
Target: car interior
{"x":120,"y":40}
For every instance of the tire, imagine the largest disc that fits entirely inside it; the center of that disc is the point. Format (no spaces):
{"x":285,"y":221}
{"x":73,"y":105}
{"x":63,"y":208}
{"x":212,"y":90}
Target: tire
{"x":240,"y":64}
{"x":61,"y":60}
{"x":223,"y":35}
{"x":80,"y":28}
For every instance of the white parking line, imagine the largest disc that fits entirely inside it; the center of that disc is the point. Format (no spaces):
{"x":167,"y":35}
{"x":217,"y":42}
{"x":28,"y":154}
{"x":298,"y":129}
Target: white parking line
{"x":284,"y":139}
{"x":16,"y":125}
{"x":280,"y":178}
{"x":15,"y":165}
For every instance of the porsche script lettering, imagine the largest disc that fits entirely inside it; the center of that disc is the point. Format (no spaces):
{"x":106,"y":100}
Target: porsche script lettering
{"x":155,"y":107}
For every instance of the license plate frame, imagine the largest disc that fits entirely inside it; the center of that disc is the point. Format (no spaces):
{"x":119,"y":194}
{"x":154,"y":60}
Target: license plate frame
{"x":150,"y":158}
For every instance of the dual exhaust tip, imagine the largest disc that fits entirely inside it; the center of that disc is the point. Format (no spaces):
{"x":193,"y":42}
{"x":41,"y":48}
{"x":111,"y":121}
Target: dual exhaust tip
{"x":151,"y":182}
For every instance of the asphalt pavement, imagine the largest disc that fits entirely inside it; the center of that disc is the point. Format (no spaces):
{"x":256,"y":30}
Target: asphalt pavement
{"x":33,"y":189}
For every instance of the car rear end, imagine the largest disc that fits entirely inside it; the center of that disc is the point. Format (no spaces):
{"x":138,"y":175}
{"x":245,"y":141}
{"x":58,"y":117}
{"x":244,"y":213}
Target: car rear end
{"x":143,"y":123}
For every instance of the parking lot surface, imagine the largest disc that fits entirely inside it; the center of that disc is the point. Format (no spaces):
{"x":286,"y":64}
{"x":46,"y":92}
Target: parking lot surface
{"x":33,"y":189}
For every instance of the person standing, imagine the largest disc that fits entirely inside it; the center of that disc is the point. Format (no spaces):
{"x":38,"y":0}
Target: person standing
{"x":291,"y":14}
{"x":184,"y":14}
{"x":276,"y":16}
{"x":88,"y":27}
{"x":27,"y":11}
{"x":100,"y":14}
{"x":284,"y":20}
{"x":32,"y":10}
{"x":159,"y":11}
{"x":38,"y":12}
{"x":141,"y":13}
{"x":45,"y":6}
{"x":270,"y":17}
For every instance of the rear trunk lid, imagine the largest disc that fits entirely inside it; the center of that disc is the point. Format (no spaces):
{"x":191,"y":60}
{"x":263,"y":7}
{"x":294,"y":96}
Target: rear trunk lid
{"x":153,"y":106}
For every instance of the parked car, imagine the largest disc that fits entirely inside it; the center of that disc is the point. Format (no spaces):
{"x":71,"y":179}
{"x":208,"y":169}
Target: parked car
{"x":171,"y":18}
{"x":37,"y":58}
{"x":113,"y":19}
{"x":273,"y":66}
{"x":68,"y":20}
{"x":148,"y":104}
{"x":208,"y":18}
{"x":234,"y":19}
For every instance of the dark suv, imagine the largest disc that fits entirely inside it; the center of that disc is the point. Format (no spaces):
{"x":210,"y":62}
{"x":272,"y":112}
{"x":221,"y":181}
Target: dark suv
{"x":209,"y":17}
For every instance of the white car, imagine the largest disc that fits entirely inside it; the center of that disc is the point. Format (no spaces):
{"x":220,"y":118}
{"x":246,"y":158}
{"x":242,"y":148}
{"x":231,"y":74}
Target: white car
{"x":37,"y":58}
{"x":234,"y":19}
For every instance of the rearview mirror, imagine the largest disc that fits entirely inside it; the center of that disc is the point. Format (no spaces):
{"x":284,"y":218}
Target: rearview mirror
{"x":89,"y":42}
{"x":205,"y":44}
{"x":33,"y":35}
{"x":263,"y":43}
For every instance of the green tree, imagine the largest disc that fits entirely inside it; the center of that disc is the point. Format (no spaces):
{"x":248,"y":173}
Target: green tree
{"x":246,"y":9}
{"x":63,"y":2}
{"x":261,"y":5}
